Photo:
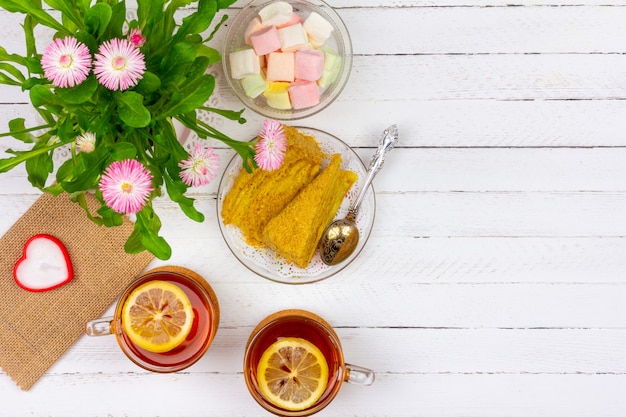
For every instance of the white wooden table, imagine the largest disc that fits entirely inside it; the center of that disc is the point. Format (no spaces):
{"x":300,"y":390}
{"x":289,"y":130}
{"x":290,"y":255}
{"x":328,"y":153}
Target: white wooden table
{"x":494,"y":282}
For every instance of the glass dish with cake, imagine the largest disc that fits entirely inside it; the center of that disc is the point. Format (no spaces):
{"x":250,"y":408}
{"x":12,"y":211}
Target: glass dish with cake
{"x":272,"y":220}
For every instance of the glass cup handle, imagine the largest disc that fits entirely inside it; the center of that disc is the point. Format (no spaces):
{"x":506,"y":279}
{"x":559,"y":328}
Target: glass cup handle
{"x":99,"y":327}
{"x":359,"y":375}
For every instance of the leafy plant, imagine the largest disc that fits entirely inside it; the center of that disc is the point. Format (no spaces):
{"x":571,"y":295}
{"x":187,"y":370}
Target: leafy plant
{"x":135,"y":123}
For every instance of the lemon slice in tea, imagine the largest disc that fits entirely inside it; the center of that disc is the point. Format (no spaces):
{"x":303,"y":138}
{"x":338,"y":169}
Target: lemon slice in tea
{"x":292,"y":373}
{"x":157,"y":316}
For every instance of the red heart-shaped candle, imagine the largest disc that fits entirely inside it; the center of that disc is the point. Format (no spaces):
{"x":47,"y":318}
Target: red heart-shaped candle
{"x":44,"y":265}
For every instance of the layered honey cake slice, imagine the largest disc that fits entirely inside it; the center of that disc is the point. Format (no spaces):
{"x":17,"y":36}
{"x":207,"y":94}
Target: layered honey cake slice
{"x":257,"y":196}
{"x":296,"y":230}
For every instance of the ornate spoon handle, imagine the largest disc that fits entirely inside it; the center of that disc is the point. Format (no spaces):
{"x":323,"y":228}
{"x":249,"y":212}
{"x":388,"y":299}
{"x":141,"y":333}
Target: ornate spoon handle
{"x":388,"y":140}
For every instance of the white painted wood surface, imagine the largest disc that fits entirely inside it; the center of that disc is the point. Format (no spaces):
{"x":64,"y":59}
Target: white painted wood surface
{"x":494,"y":282}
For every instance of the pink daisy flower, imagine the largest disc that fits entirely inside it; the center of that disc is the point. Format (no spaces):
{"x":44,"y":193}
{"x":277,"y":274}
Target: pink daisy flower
{"x":86,"y":142}
{"x":136,"y":37}
{"x":126,"y":186}
{"x":119,"y":65}
{"x":66,"y":62}
{"x":201,"y":166}
{"x":272,"y":145}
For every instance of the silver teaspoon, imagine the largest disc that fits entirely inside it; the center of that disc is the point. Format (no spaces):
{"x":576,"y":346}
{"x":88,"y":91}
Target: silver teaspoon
{"x":341,"y":237}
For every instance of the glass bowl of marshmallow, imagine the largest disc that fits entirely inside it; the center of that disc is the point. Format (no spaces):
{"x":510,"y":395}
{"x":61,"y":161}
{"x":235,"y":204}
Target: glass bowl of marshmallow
{"x":287,"y":59}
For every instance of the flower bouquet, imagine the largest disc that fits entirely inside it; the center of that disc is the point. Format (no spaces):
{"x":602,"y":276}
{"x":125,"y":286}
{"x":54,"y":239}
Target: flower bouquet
{"x":110,"y":87}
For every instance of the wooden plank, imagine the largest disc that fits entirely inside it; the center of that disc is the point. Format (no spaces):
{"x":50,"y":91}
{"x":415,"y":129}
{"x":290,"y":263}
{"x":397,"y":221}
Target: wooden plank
{"x":458,"y":214}
{"x":436,"y":351}
{"x":470,"y":77}
{"x":434,"y":123}
{"x":461,"y":169}
{"x":418,"y":395}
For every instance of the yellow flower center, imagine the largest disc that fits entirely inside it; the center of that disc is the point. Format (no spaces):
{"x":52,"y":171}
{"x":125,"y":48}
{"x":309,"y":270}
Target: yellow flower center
{"x":118,"y":63}
{"x":127,"y":188}
{"x":65,"y":61}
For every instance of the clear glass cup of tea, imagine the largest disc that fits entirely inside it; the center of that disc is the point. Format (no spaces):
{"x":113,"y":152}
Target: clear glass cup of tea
{"x":206,"y":316}
{"x":294,"y":364}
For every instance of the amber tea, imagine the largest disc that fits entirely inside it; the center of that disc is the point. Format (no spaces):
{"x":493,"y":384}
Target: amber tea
{"x":304,"y":329}
{"x":203,"y":328}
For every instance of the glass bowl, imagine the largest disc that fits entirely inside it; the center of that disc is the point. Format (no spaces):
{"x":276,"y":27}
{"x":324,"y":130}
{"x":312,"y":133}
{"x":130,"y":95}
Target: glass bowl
{"x":339,"y":41}
{"x":265,"y":262}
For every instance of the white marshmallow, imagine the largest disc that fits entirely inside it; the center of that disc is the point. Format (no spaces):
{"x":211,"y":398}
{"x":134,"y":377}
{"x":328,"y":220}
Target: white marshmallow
{"x":292,"y":38}
{"x":244,"y":63}
{"x":276,"y":13}
{"x":318,"y":29}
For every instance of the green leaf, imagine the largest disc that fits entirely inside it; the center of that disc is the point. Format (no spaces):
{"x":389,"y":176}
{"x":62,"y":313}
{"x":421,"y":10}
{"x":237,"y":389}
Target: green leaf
{"x":20,"y":157}
{"x":67,"y":171}
{"x":116,"y":25}
{"x":110,"y":218}
{"x":37,"y":13}
{"x":181,"y":54}
{"x":189,"y":98}
{"x":82,"y":201}
{"x":38,"y":168}
{"x":42,"y":96}
{"x":133,"y":244}
{"x":228,"y":114}
{"x":148,"y":84}
{"x":54,"y":189}
{"x":5,"y":56}
{"x":80,"y":93}
{"x":11,"y":70}
{"x":97,"y":19}
{"x":199,"y":21}
{"x":211,"y":53}
{"x":29,"y":32}
{"x":197,"y":69}
{"x":86,"y":177}
{"x":222,"y":4}
{"x":68,"y":11}
{"x":176,"y":191}
{"x":65,"y":130}
{"x":18,"y":131}
{"x":5,"y":79}
{"x":148,"y":10}
{"x":149,"y":225}
{"x":131,"y":109}
{"x":123,"y":150}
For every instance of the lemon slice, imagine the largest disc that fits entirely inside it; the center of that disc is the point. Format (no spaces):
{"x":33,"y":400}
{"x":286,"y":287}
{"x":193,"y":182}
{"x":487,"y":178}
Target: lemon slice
{"x":292,"y":373}
{"x":157,"y":316}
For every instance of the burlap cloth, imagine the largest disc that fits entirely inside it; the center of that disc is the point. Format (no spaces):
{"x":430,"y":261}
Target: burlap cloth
{"x":37,"y":328}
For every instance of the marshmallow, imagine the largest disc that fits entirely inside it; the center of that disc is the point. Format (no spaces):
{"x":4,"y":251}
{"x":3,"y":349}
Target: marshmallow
{"x":318,"y":29}
{"x":277,"y":13}
{"x":303,"y":94}
{"x":292,"y":38}
{"x":295,"y":18}
{"x":309,"y":64}
{"x":244,"y":63}
{"x":254,"y":85}
{"x":265,"y":40}
{"x":281,"y":66}
{"x":254,"y":25}
{"x":332,"y":67}
{"x":277,"y":96}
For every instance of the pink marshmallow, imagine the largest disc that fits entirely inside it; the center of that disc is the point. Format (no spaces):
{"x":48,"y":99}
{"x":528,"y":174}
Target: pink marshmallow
{"x":294,"y":19}
{"x":281,"y":66}
{"x":265,"y":40}
{"x":304,"y":94}
{"x":309,"y":64}
{"x":254,"y":25}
